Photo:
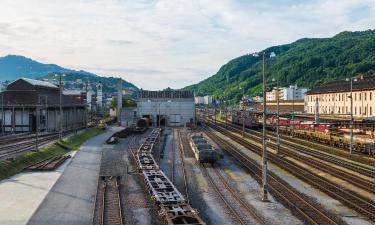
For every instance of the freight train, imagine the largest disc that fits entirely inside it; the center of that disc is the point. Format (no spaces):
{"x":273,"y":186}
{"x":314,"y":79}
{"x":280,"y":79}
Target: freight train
{"x":203,"y":151}
{"x":172,"y":204}
{"x":326,"y":133}
{"x":250,"y":120}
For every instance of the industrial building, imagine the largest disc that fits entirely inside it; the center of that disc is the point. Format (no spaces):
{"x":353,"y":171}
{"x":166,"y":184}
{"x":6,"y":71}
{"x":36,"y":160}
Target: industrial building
{"x":170,"y":108}
{"x":334,"y":98}
{"x":28,"y":105}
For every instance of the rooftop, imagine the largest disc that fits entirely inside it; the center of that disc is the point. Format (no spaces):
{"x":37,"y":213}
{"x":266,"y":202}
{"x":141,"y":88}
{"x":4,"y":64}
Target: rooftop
{"x":362,"y":83}
{"x":39,"y":83}
{"x":165,"y":94}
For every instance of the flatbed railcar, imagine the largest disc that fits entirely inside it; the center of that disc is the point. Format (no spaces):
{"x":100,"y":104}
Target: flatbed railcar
{"x":172,"y":205}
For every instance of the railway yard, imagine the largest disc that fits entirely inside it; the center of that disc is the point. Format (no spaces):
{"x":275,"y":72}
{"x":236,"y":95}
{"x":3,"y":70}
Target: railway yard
{"x":209,"y":174}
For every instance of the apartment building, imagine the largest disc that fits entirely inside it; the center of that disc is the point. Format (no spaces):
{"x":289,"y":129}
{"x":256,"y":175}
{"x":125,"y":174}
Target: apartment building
{"x":334,"y":98}
{"x":293,"y":92}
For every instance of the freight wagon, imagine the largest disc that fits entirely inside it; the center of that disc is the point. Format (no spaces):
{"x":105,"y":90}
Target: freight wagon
{"x":203,"y":151}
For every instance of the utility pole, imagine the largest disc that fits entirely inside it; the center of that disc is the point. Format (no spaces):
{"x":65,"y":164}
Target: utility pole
{"x":242,"y":106}
{"x":317,"y":110}
{"x":61,"y":111}
{"x":2,"y":112}
{"x":278,"y":117}
{"x":86,"y":108}
{"x":37,"y":126}
{"x":264,"y":155}
{"x":351,"y":116}
{"x":119,"y":101}
{"x":293,"y":110}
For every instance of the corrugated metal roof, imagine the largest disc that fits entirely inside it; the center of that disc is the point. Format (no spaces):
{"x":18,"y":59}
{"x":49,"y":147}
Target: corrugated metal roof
{"x":39,"y":83}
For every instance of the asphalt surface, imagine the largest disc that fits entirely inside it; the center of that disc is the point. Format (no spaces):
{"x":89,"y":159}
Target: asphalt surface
{"x":71,"y":200}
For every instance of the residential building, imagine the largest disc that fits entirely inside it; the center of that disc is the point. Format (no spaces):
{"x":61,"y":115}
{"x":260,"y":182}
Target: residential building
{"x":334,"y":98}
{"x":204,"y":100}
{"x":172,"y":107}
{"x":292,"y":92}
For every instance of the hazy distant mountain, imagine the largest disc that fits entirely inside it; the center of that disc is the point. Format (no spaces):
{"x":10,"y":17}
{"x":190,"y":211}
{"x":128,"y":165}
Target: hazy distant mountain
{"x":13,"y":67}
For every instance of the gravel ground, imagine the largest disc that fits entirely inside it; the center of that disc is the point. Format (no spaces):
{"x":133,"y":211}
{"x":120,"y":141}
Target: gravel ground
{"x":202,"y":197}
{"x":332,"y":205}
{"x":138,"y":207}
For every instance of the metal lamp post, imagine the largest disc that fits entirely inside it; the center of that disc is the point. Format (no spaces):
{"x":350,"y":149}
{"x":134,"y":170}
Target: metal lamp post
{"x":243,"y":111}
{"x":277,"y":115}
{"x":293,"y":93}
{"x":264,"y":151}
{"x":351,"y":112}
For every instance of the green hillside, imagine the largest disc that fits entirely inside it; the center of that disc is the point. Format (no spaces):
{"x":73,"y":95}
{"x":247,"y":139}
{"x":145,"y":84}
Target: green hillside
{"x":307,"y":62}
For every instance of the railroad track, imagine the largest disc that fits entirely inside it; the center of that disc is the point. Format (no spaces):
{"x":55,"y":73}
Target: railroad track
{"x":109,"y":203}
{"x":18,"y":146}
{"x":308,"y":211}
{"x":294,"y":152}
{"x":347,"y":197}
{"x":173,"y":166}
{"x":182,"y":148}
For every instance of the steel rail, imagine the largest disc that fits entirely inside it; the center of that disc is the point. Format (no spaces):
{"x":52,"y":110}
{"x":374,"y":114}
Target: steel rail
{"x":347,"y":197}
{"x":292,"y":198}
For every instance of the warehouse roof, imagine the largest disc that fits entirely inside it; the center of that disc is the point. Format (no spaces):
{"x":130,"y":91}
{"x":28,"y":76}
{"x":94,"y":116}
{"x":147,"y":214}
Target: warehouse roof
{"x":39,"y":83}
{"x":29,"y":92}
{"x":166,"y":94}
{"x":362,"y":83}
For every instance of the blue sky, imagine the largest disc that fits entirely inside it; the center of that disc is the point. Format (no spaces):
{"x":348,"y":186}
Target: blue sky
{"x":157,"y":44}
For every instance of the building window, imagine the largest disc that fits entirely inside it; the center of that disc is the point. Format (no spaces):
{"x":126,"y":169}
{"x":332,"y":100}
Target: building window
{"x":365,"y":96}
{"x":370,"y":96}
{"x":342,"y":97}
{"x":360,"y":97}
{"x":370,"y":110}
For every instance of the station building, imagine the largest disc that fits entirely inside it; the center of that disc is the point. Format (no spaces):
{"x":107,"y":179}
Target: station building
{"x":333,"y":98}
{"x":28,"y":105}
{"x":171,"y":107}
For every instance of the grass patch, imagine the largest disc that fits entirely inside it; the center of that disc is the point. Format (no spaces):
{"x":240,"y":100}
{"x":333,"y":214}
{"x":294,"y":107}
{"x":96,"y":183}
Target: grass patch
{"x":76,"y":141}
{"x":9,"y":168}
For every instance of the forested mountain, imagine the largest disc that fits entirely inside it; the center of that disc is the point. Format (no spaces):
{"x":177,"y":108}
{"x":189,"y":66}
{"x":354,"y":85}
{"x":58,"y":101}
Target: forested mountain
{"x":13,"y":67}
{"x":307,"y":62}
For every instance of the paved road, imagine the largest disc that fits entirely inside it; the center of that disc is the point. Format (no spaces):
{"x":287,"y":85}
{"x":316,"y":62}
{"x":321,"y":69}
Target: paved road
{"x":71,"y":200}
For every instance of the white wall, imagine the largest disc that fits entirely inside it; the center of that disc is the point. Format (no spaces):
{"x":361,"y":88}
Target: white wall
{"x":182,"y":108}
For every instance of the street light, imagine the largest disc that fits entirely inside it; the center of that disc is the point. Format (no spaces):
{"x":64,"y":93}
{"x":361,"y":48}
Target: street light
{"x":277,"y":115}
{"x":264,"y":152}
{"x":351,"y":111}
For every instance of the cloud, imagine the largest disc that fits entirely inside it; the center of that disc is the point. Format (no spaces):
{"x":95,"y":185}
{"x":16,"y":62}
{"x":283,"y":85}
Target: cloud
{"x":160,"y":43}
